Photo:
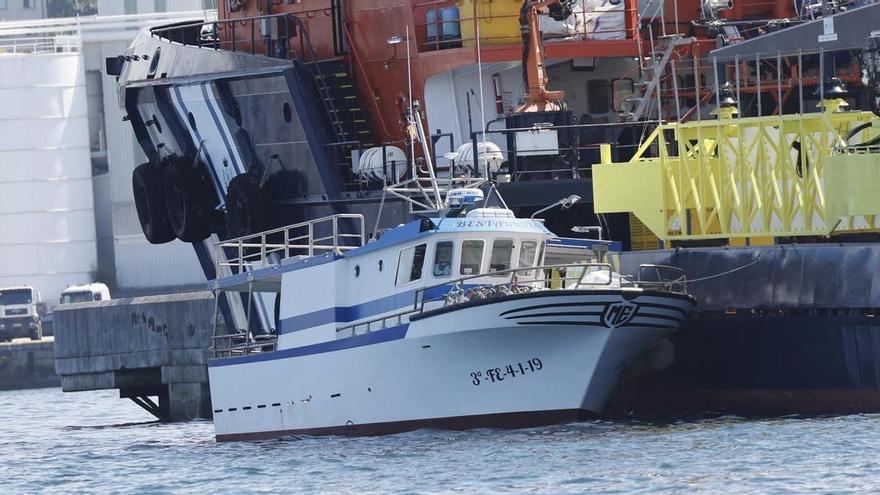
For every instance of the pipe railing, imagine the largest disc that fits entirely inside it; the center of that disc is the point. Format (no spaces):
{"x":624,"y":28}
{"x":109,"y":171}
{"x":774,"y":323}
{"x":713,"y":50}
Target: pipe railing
{"x":558,"y":277}
{"x":40,"y":45}
{"x":305,"y":238}
{"x":242,"y":343}
{"x":519,"y":280}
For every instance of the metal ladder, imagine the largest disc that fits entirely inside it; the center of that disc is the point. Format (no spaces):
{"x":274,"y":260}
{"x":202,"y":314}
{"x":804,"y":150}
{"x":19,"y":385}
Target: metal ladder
{"x":653,"y":74}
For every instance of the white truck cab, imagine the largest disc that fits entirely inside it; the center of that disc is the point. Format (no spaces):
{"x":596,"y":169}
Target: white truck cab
{"x":18,"y":313}
{"x":85,"y":293}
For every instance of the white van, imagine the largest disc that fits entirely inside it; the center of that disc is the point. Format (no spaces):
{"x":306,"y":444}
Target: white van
{"x":85,"y":293}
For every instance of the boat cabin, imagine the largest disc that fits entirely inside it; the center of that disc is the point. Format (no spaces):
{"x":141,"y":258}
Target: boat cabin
{"x":346,"y":287}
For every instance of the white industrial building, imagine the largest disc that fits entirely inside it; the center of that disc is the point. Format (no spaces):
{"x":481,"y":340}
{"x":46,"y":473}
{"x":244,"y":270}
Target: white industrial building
{"x":66,"y":156}
{"x":47,"y":215}
{"x":19,"y":10}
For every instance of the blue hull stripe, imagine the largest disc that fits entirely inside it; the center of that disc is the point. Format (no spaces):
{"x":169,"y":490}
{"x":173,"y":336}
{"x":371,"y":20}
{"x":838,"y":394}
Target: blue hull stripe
{"x":347,"y":314}
{"x":385,"y":335}
{"x":221,"y":129}
{"x":267,"y":322}
{"x":217,"y":184}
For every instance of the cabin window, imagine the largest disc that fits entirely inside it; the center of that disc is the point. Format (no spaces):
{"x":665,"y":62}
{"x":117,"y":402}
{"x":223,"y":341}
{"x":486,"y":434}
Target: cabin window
{"x":443,"y":259}
{"x":621,"y":94}
{"x":527,"y":251}
{"x":409,"y":266}
{"x":471,"y":257}
{"x":502,"y":251}
{"x":598,"y":96}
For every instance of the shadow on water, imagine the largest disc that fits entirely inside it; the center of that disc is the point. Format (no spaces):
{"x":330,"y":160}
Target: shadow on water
{"x":134,"y":424}
{"x":111,"y":426}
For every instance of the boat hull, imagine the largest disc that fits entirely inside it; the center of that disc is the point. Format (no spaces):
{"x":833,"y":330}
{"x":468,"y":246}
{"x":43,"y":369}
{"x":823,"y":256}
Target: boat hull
{"x":793,"y":332}
{"x":816,"y":363}
{"x":514,"y":362}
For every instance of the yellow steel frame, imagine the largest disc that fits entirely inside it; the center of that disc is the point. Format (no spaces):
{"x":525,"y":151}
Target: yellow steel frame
{"x":743,"y":177}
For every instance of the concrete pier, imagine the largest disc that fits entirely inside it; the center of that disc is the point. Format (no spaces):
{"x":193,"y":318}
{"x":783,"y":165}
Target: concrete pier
{"x":146,"y":347}
{"x":27,"y":364}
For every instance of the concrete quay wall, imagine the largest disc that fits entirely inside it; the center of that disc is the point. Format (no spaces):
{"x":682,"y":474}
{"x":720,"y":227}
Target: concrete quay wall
{"x":27,"y":364}
{"x":154,"y":346}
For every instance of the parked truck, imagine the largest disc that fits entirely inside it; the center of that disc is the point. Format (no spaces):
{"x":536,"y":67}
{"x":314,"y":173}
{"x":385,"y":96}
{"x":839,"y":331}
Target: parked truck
{"x":19,"y":315}
{"x":85,"y":293}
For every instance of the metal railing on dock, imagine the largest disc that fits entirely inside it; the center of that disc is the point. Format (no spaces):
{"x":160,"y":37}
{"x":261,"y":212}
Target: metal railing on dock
{"x":332,"y":234}
{"x":662,"y":277}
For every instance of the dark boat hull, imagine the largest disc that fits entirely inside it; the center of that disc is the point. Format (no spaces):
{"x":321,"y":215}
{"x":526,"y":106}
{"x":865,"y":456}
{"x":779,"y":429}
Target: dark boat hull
{"x":764,"y":364}
{"x":780,"y":330}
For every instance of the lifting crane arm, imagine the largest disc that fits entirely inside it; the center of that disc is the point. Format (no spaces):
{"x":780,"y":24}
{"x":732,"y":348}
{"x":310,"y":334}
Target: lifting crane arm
{"x":538,"y":98}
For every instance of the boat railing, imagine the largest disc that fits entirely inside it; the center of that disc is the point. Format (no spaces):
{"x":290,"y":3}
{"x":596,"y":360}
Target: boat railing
{"x":242,"y":343}
{"x":40,"y":45}
{"x":520,"y":281}
{"x":373,"y":324}
{"x":662,"y":277}
{"x":570,"y":150}
{"x":516,"y":281}
{"x":331,"y":234}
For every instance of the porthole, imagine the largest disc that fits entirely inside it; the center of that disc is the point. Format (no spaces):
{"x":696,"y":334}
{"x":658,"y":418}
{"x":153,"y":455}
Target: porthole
{"x":192,"y":120}
{"x":285,"y":110}
{"x":357,"y":270}
{"x":154,"y":64}
{"x":157,"y":124}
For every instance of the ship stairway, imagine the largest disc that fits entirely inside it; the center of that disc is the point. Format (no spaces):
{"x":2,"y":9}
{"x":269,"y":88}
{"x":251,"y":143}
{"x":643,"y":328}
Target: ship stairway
{"x":339,"y":100}
{"x":346,"y":115}
{"x":345,"y":112}
{"x":653,"y":74}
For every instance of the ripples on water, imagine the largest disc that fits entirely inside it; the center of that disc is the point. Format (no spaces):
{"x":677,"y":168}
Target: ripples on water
{"x":94,"y":442}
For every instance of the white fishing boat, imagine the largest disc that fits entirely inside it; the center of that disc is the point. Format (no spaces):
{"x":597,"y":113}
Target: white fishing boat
{"x":451,"y":321}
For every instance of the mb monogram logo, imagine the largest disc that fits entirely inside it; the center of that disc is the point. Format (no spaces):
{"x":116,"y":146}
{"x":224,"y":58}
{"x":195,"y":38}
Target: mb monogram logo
{"x":619,"y":314}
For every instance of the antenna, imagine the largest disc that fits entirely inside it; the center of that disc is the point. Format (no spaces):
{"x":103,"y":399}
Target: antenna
{"x":477,"y":154}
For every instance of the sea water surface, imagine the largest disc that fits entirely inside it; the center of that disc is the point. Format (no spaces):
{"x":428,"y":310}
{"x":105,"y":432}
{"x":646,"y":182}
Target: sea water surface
{"x":94,"y":442}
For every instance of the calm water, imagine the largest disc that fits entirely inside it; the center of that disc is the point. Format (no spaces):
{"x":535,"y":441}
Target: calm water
{"x":94,"y":442}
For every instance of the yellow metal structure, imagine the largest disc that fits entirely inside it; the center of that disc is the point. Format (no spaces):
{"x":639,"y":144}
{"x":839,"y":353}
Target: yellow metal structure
{"x":499,"y":21}
{"x":789,"y":175}
{"x":640,"y":237}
